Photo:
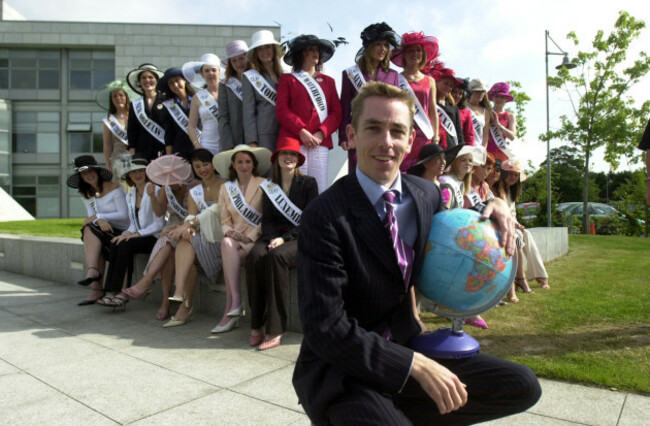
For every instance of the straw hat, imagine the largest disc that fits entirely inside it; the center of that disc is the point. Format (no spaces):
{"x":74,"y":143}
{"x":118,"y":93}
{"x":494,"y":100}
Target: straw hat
{"x":262,"y":38}
{"x":133,"y":77}
{"x":222,"y":160}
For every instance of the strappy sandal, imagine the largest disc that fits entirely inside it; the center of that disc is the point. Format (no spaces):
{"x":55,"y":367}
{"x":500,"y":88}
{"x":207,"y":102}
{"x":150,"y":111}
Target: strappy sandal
{"x":119,"y":302}
{"x":521,"y":283}
{"x":543,"y":283}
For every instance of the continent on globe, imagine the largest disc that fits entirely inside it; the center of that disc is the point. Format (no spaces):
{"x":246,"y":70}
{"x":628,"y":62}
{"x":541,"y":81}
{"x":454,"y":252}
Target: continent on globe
{"x":485,"y":249}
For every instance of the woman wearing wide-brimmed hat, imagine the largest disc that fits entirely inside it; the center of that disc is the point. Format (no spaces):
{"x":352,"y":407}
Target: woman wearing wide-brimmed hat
{"x":107,"y":217}
{"x":176,"y":96}
{"x":308,"y":106}
{"x":372,"y":63}
{"x":231,"y":123}
{"x":173,"y":174}
{"x":145,"y":126}
{"x":204,"y":74}
{"x":286,"y":195}
{"x":240,"y":206}
{"x":481,"y":111}
{"x":509,"y":189}
{"x":433,"y":161}
{"x":259,"y":90}
{"x":116,"y":99}
{"x":456,"y":182}
{"x":414,"y":52}
{"x":194,"y":253}
{"x":460,"y":93}
{"x":144,"y":228}
{"x":451,"y":129}
{"x":503,"y":124}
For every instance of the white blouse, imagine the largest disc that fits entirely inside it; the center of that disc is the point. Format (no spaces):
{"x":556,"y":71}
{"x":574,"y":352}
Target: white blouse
{"x":147,"y":223}
{"x":111,"y":207}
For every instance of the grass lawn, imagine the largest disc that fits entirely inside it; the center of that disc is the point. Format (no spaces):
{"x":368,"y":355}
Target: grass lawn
{"x":69,"y":228}
{"x":592,"y":326}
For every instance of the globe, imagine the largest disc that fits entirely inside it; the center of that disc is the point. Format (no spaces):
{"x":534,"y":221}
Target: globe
{"x":465,"y":272}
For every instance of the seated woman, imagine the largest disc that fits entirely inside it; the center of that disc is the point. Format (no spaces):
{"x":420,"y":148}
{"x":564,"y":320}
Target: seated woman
{"x":107,"y":217}
{"x":433,"y":161}
{"x":173,"y":173}
{"x":240,"y":205}
{"x":196,"y":251}
{"x":509,"y":189}
{"x":275,"y":253}
{"x":144,"y":227}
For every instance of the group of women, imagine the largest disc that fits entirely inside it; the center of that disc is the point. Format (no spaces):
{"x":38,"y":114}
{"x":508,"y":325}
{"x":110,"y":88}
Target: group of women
{"x":192,"y":151}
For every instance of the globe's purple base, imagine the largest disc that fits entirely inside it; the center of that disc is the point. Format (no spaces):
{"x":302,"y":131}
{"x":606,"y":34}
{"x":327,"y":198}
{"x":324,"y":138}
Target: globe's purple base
{"x":446,"y":344}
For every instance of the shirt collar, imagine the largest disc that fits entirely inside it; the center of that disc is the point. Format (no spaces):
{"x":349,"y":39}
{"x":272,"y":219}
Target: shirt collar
{"x":375,"y":191}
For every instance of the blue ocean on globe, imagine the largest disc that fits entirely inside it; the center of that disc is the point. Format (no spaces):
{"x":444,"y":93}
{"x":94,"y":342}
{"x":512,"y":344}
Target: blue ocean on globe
{"x":465,"y":270}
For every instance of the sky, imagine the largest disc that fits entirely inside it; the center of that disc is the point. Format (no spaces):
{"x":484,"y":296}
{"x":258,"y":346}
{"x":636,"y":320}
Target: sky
{"x":496,"y":40}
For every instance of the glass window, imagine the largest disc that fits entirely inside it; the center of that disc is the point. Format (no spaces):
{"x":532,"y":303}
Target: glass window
{"x":4,"y":79}
{"x":47,"y":143}
{"x":23,"y":79}
{"x":48,"y":79}
{"x":24,"y":180}
{"x":24,"y":190}
{"x":24,"y":142}
{"x":28,"y":204}
{"x":76,"y":205}
{"x":79,"y":142}
{"x":48,"y":206}
{"x":48,"y":116}
{"x":48,"y":180}
{"x":101,"y":78}
{"x":79,"y":117}
{"x":79,"y":80}
{"x":91,"y":69}
{"x":4,"y":142}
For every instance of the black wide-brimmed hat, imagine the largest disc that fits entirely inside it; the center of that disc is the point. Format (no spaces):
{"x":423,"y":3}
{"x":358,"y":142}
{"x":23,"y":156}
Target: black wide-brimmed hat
{"x":133,"y":77}
{"x":301,"y":42}
{"x":128,"y":162}
{"x":85,"y":162}
{"x":430,"y":151}
{"x":169,"y":73}
{"x":377,"y":32}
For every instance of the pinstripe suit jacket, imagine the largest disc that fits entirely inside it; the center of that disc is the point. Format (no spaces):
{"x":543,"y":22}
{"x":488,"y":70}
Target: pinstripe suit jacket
{"x":350,"y":289}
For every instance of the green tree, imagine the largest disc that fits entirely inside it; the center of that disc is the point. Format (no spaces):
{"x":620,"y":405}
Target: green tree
{"x":605,"y":114}
{"x":520,"y":100}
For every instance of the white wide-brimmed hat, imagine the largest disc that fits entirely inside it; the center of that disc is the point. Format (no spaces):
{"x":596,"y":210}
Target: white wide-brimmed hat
{"x":128,"y":162}
{"x":192,"y":70}
{"x":478,"y":85}
{"x":235,"y":48}
{"x":262,"y":38}
{"x":133,"y":77}
{"x":222,"y":160}
{"x":478,"y":152}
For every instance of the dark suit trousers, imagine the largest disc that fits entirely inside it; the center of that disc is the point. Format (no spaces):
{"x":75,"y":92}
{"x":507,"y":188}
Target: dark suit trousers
{"x":267,"y":281}
{"x":496,"y":388}
{"x":120,"y":260}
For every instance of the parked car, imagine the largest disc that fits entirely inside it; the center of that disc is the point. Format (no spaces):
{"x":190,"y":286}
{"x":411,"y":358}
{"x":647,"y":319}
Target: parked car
{"x":571,"y":213}
{"x":528,"y":211}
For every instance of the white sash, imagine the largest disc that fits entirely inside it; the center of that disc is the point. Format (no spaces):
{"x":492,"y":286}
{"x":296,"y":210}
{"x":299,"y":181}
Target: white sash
{"x":245,"y":210}
{"x":356,"y":77}
{"x":208,"y":102}
{"x":199,"y":197}
{"x":315,"y":93}
{"x":235,"y":85}
{"x":93,"y":204}
{"x":179,"y":116}
{"x":130,"y":201}
{"x":421,"y":118}
{"x":262,"y":86}
{"x":152,"y":127}
{"x":282,"y":202}
{"x":448,"y":125}
{"x":473,"y":198}
{"x":455,"y":185}
{"x":478,"y":129}
{"x":173,"y":203}
{"x":116,"y":128}
{"x":500,"y":140}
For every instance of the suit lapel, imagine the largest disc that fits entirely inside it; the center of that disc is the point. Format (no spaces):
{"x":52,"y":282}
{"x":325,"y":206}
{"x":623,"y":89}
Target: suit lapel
{"x":424,"y":211}
{"x":366,"y":224}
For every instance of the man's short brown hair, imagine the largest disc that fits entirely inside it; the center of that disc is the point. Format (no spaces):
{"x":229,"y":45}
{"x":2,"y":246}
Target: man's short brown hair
{"x":381,"y":90}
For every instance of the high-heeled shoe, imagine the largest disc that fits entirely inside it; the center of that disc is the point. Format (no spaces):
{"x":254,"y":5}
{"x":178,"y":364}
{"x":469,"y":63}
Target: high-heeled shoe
{"x":134,"y":293}
{"x":226,"y":327}
{"x":89,"y":280}
{"x":543,"y":283}
{"x":523,"y":285}
{"x":178,"y":299}
{"x":175,"y":322}
{"x":240,"y":311}
{"x":87,"y":302}
{"x":270,"y":343}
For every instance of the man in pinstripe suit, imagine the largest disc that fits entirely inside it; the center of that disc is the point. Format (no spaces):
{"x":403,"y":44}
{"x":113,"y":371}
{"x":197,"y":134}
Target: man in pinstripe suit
{"x":357,"y":311}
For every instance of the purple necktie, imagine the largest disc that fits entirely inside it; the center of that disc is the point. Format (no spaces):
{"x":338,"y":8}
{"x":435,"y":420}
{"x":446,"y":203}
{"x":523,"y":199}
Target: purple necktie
{"x":403,"y":252}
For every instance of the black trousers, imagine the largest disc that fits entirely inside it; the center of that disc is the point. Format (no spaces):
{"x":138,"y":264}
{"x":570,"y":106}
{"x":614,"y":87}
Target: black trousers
{"x":120,"y":260}
{"x":267,"y":280}
{"x":495,"y":387}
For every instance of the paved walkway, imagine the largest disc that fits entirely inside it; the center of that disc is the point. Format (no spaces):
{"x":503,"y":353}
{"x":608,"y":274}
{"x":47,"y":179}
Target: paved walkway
{"x":63,"y":364}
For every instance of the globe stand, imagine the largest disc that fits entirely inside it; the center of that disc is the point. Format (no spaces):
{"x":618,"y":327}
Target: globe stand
{"x":446,"y":343}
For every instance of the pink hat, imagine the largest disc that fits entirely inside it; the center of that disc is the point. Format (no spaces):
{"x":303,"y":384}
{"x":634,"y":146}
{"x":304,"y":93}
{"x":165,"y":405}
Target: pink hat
{"x":169,"y":170}
{"x":439,"y":72}
{"x":236,"y":48}
{"x":428,"y":43}
{"x":287,"y":143}
{"x":502,"y":89}
{"x":514,"y":165}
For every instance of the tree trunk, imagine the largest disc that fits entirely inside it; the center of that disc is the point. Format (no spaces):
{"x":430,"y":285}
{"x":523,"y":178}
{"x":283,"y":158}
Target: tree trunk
{"x":585,"y":193}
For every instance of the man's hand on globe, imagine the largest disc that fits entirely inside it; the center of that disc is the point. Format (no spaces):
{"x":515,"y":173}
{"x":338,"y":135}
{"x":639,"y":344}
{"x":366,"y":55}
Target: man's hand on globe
{"x":498,"y":212}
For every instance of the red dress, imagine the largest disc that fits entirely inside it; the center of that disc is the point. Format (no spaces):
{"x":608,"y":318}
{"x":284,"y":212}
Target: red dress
{"x":467,"y":125}
{"x":422,"y":90}
{"x":504,"y":119}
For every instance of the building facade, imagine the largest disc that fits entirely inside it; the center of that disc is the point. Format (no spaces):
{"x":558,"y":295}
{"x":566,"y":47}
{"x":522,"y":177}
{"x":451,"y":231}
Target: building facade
{"x":50,"y":73}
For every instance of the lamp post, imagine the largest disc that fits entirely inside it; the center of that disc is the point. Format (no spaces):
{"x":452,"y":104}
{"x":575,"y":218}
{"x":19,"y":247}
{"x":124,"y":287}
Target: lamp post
{"x":568,"y":65}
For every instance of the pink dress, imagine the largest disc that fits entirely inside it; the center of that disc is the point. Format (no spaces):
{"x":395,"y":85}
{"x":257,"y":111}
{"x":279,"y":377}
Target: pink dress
{"x":422,"y":90}
{"x":504,"y":119}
